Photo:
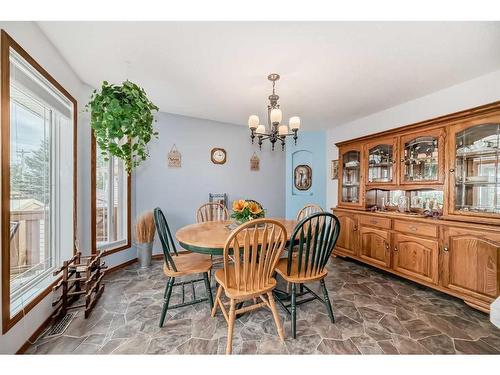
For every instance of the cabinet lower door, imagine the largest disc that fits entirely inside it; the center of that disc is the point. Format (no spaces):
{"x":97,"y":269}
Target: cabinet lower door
{"x":471,"y":262}
{"x":347,"y":243}
{"x":374,"y":246}
{"x":416,"y":257}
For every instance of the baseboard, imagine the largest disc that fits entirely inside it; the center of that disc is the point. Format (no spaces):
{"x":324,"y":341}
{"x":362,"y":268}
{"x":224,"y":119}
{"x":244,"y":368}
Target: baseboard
{"x":158,"y":256}
{"x":121,"y":265}
{"x":35,"y":335}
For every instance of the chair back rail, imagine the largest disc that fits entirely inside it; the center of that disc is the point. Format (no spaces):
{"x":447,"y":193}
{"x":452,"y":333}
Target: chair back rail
{"x":211,"y":211}
{"x":308,"y":210}
{"x":251,"y":253}
{"x":316,"y":235}
{"x":166,"y":239}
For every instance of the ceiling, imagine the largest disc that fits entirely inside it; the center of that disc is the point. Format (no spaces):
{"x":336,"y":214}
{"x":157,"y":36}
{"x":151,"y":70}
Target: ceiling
{"x":331,"y":72}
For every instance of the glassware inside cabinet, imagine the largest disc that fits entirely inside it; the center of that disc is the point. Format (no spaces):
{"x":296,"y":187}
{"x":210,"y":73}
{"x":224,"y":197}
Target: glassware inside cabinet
{"x":351,"y":174}
{"x":380,"y":162}
{"x":428,"y":202}
{"x":421,"y":157}
{"x":477,"y":173}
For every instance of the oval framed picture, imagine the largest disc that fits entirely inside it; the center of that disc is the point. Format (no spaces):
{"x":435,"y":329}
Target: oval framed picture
{"x":302,"y":177}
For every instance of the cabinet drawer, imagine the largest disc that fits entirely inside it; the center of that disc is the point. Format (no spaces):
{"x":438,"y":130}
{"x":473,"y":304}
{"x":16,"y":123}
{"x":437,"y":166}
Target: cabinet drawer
{"x":428,"y":230}
{"x":375,"y":221}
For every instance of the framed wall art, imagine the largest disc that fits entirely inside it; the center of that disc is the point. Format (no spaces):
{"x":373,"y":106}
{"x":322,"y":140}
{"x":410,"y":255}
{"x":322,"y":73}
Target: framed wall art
{"x":302,"y":177}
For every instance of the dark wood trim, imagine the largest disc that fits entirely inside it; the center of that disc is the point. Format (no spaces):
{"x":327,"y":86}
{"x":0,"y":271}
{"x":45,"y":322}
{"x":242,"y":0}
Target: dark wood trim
{"x":437,"y":122}
{"x":93,"y":204}
{"x":6,"y":44}
{"x":120,"y":266}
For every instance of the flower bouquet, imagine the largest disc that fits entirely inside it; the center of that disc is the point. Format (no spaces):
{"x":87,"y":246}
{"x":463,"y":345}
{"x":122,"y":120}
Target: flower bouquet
{"x":246,"y":210}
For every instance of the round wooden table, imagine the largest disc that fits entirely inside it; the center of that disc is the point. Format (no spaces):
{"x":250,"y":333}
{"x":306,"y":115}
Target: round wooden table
{"x":210,"y":237}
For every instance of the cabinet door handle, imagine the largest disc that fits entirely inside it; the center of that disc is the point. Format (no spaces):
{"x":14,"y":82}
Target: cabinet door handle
{"x":395,"y":249}
{"x":402,"y":160}
{"x":445,"y":249}
{"x":355,"y":228}
{"x":413,"y":227}
{"x":452,"y":170}
{"x":386,"y":245}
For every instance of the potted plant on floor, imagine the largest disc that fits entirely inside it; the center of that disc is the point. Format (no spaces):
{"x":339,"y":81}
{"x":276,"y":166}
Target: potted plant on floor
{"x":122,"y":121}
{"x":144,"y":237}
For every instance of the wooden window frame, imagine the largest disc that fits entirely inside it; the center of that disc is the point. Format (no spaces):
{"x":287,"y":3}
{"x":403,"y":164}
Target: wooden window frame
{"x":93,"y":207}
{"x":7,"y":43}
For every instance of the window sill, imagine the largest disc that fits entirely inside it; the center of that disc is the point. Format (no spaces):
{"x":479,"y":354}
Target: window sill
{"x":114,"y":247}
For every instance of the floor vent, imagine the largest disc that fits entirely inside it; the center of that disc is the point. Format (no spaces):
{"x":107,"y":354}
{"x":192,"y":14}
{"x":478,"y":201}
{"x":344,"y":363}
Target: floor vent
{"x":59,"y":328}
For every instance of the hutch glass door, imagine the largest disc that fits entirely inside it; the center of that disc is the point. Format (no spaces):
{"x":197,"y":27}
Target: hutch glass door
{"x":422,"y":158}
{"x":351,"y":177}
{"x":477,"y":173}
{"x":380,"y":163}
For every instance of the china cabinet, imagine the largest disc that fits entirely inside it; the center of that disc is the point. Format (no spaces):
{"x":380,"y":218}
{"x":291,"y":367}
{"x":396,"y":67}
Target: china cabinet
{"x":350,"y":178}
{"x":423,"y":202}
{"x":380,"y":163}
{"x":475,"y":174}
{"x":347,"y":241}
{"x":422,"y":157}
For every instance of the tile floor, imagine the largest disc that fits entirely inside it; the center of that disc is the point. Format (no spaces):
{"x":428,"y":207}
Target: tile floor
{"x":375,"y":313}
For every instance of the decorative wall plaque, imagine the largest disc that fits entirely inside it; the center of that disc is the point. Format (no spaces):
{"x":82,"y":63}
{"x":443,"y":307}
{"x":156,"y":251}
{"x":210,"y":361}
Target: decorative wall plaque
{"x":254,"y":162}
{"x":218,"y":198}
{"x":334,"y":170}
{"x":174,"y":157}
{"x":302,"y":177}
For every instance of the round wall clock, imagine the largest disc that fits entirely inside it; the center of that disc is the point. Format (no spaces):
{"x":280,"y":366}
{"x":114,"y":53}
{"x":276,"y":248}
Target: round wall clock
{"x":218,"y":155}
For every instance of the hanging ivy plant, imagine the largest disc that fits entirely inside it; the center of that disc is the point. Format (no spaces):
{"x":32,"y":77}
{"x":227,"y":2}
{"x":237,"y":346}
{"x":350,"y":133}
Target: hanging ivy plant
{"x":122,"y":120}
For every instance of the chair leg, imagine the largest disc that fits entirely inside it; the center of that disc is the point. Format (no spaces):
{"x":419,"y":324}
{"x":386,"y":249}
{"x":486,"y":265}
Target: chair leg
{"x":294,"y":310}
{"x":301,"y":288}
{"x":209,"y":290}
{"x":276,"y":316}
{"x":230,"y":326}
{"x":217,"y":299}
{"x":167,"y":294}
{"x":327,"y":301}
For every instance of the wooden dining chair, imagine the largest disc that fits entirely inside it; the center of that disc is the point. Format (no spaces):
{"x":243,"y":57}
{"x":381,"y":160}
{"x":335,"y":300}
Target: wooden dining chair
{"x":178,"y":264}
{"x":211,"y":211}
{"x":316,"y":236}
{"x":250,"y":255}
{"x":308,"y":210}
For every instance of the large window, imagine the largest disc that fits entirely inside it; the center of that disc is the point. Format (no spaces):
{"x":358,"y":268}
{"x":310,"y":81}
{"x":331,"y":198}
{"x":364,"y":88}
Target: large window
{"x":110,"y":203}
{"x":38,"y":129}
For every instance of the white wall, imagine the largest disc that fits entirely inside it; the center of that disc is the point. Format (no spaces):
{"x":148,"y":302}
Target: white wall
{"x":473,"y":93}
{"x":30,"y":37}
{"x":180,"y":191}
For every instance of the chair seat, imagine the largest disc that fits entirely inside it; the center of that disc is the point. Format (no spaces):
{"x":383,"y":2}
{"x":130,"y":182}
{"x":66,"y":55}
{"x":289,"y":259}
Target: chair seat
{"x":189,"y":264}
{"x":240,"y":294}
{"x":294,"y":276}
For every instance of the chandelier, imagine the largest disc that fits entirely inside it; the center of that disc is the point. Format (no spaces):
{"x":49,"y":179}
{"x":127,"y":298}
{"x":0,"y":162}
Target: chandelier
{"x":277,"y":130}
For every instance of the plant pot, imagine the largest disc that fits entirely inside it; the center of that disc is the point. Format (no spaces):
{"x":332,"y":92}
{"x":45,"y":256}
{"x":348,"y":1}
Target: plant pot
{"x":144,"y":254}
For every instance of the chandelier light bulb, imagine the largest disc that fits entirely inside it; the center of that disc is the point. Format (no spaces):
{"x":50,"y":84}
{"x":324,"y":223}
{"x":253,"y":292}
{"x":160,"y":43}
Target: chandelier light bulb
{"x":294,"y":123}
{"x":253,"y":122}
{"x":276,"y":115}
{"x":283,"y":130}
{"x":261,"y":129}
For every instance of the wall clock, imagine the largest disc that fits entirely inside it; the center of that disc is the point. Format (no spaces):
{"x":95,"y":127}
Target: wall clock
{"x":219,"y":155}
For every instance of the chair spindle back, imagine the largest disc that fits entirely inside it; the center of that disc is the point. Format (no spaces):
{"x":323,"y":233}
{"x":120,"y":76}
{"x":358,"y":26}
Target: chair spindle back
{"x":316,"y":236}
{"x":254,"y":249}
{"x":308,"y":210}
{"x":211,"y":211}
{"x":166,"y":239}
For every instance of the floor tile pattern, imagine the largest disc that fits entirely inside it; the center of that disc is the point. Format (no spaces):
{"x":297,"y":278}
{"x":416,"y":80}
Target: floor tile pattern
{"x":375,"y":312}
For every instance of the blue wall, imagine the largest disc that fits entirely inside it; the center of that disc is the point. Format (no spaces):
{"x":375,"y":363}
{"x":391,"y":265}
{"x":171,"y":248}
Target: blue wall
{"x":310,"y":150}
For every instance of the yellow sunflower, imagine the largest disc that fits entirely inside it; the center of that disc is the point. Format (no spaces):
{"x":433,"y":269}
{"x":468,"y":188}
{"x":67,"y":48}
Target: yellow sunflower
{"x":239,"y":205}
{"x":254,"y":208}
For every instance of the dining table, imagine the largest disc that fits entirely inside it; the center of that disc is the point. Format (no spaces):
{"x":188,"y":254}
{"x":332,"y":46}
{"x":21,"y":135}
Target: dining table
{"x":210,"y":237}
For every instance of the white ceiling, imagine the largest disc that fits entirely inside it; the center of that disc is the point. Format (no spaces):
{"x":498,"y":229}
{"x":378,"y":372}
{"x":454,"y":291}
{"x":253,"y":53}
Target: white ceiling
{"x":331,"y":72}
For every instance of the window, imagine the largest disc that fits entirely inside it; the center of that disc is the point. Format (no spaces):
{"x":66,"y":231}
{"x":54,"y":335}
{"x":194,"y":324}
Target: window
{"x":110,"y":203}
{"x":38,"y":180}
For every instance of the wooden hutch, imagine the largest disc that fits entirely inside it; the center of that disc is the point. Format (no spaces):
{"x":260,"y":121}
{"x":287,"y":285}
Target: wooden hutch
{"x":423,"y":202}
